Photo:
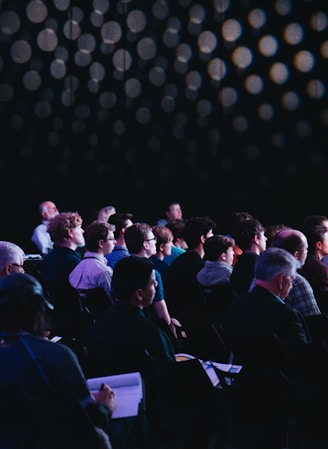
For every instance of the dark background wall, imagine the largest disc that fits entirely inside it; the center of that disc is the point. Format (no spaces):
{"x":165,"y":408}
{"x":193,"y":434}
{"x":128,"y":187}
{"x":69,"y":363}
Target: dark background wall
{"x":221,"y":105}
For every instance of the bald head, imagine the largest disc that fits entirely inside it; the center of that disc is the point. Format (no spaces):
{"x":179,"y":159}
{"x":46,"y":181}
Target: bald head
{"x":293,"y":241}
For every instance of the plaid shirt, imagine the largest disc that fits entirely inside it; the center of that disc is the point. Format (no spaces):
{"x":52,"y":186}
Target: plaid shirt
{"x":301,"y":297}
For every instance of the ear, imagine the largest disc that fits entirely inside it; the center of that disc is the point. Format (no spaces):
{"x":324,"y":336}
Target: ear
{"x":203,"y":239}
{"x":139,"y":295}
{"x":280,"y":281}
{"x":8,"y":269}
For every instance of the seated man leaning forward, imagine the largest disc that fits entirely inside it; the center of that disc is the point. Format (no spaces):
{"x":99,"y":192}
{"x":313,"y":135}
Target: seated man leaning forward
{"x":133,"y":286}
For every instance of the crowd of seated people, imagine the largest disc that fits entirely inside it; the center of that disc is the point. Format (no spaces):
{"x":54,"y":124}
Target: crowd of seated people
{"x":226,"y":286}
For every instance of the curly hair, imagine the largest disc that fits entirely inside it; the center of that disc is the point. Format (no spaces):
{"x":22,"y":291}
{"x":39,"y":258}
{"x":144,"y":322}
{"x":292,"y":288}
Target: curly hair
{"x":59,"y":225}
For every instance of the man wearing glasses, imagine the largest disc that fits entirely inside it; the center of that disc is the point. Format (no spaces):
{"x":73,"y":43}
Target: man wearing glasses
{"x":11,"y":259}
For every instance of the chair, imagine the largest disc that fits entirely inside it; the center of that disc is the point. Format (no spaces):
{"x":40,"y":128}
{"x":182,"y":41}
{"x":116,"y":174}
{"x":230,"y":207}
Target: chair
{"x":318,"y":327}
{"x":307,"y":423}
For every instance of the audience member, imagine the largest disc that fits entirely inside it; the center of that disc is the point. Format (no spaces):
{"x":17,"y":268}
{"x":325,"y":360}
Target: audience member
{"x":40,"y":236}
{"x":214,"y":277}
{"x":11,"y":259}
{"x":314,"y":220}
{"x":173,"y":212}
{"x":301,"y":296}
{"x":272,"y":230}
{"x":249,"y":236}
{"x":35,"y":365}
{"x":92,"y":274}
{"x":259,"y":325}
{"x":314,"y":270}
{"x":311,"y":220}
{"x":163,"y":248}
{"x":121,"y":221}
{"x":179,"y":243}
{"x":180,"y":282}
{"x":233,"y":219}
{"x":67,"y":234}
{"x":134,"y":286}
{"x":141,"y":242}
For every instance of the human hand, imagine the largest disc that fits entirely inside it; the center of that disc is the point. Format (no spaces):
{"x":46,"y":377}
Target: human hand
{"x":177,"y":329}
{"x":106,"y":396}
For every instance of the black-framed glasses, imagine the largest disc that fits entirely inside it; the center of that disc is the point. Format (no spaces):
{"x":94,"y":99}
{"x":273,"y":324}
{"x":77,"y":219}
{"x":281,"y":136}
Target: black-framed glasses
{"x":17,"y":265}
{"x":153,"y":238}
{"x":108,"y":240}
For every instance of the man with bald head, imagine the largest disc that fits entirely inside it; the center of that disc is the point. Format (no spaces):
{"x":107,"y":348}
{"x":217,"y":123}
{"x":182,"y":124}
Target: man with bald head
{"x":301,"y":296}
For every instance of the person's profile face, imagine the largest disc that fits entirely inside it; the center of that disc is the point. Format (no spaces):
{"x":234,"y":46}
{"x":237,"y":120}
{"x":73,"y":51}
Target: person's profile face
{"x":150,"y":290}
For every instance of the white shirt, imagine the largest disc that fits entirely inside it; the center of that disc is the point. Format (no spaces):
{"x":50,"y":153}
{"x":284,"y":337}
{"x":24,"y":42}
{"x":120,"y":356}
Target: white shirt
{"x":92,"y":272}
{"x":41,"y":238}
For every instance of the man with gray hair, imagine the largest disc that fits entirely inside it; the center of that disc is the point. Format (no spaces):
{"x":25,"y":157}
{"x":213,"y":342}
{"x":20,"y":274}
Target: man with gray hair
{"x":259,"y":328}
{"x":11,"y":258}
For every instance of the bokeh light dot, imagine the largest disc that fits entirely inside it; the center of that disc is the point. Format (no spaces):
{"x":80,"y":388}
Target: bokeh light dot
{"x":72,"y":29}
{"x":228,"y":96}
{"x":146,"y":48}
{"x":6,"y":92}
{"x":217,"y":69}
{"x":257,"y":18}
{"x":122,"y":60}
{"x":242,"y":57}
{"x":31,"y":80}
{"x":101,"y":5}
{"x":111,"y":32}
{"x":319,"y":21}
{"x":58,"y":68}
{"x":254,"y":84}
{"x":197,"y":14}
{"x":36,"y":11}
{"x":231,"y":30}
{"x":133,"y":88}
{"x":290,"y":101}
{"x":97,"y":71}
{"x":160,"y":9}
{"x":136,"y":21}
{"x":157,"y":76}
{"x":293,"y":33}
{"x":193,"y":80}
{"x":279,"y":73}
{"x":265,"y":112}
{"x":143,"y":116}
{"x":316,"y":89}
{"x":21,"y":51}
{"x":268,"y":45}
{"x":107,"y":100}
{"x":207,"y":42}
{"x":9,"y":22}
{"x":304,"y":61}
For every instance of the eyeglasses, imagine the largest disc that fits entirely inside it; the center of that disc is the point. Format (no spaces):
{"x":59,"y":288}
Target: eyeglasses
{"x":17,"y":265}
{"x":108,"y":240}
{"x":149,"y":240}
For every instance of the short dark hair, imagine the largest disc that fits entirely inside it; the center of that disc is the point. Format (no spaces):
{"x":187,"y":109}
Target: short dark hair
{"x":195,"y":227}
{"x":95,"y":231}
{"x":245,"y":231}
{"x":119,"y":220}
{"x":135,"y":236}
{"x":130,"y":273}
{"x":216,"y":245}
{"x":314,"y":234}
